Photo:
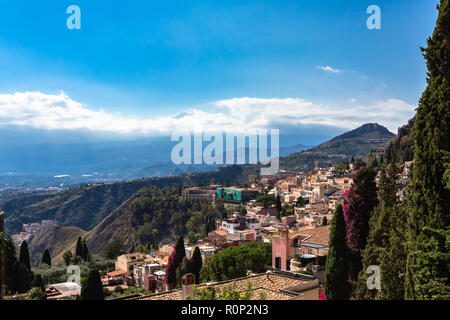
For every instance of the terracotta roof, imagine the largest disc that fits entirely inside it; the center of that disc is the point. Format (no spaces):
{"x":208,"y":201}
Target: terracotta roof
{"x":221,"y":232}
{"x":272,"y":283}
{"x":116,"y":273}
{"x":317,"y":235}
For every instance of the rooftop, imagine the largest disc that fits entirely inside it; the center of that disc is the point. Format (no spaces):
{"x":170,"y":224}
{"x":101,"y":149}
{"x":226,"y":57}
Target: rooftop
{"x":276,"y":285}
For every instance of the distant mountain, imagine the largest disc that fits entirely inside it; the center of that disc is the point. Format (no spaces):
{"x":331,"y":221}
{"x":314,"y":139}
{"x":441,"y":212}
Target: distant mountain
{"x":356,"y":143}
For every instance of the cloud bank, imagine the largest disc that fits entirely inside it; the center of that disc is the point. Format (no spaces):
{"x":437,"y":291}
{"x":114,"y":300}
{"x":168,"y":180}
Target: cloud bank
{"x":60,"y":112}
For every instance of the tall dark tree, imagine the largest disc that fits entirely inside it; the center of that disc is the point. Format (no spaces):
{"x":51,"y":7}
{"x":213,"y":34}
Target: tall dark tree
{"x":38,"y":282}
{"x":46,"y":257}
{"x":93,"y":288}
{"x":428,"y":218}
{"x":393,"y":258}
{"x":380,"y":228}
{"x":197,"y":263}
{"x":79,"y":248}
{"x":84,"y":251}
{"x":359,"y":202}
{"x":24,"y":255}
{"x":18,"y":277}
{"x":336,"y":272}
{"x":175,"y":259}
{"x":278,"y":206}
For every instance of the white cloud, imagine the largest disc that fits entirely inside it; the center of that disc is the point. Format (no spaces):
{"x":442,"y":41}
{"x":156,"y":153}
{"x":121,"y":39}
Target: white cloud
{"x":46,"y":111}
{"x":329,"y":69}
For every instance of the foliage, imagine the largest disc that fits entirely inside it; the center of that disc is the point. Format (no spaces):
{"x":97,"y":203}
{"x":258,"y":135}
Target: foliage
{"x":359,"y":202}
{"x":381,"y":221}
{"x":197,"y":263}
{"x":428,"y":219}
{"x":18,"y":277}
{"x":175,"y":259}
{"x":67,"y":256}
{"x":46,"y":257}
{"x":336,"y":271}
{"x":92,"y":289}
{"x":113,"y":249}
{"x":229,"y":292}
{"x":36,"y":293}
{"x":24,"y":255}
{"x":267,"y":200}
{"x":234,"y":262}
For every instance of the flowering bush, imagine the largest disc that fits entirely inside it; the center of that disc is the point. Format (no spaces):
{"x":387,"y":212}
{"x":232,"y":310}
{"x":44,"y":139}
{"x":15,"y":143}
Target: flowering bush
{"x":359,"y":202}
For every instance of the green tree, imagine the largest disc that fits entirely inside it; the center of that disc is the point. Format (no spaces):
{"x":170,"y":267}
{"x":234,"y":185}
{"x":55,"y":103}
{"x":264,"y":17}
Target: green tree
{"x":93,"y":288}
{"x":192,"y":237}
{"x":184,"y":268}
{"x":235,"y":262}
{"x":197,"y":263}
{"x":46,"y":258}
{"x":79,"y":248}
{"x":393,"y":258}
{"x":84,"y":251}
{"x":336,"y":271}
{"x":38,"y":282}
{"x":113,"y":249}
{"x":36,"y":293}
{"x":267,"y":200}
{"x":24,"y":255}
{"x":427,"y":275}
{"x":67,"y":256}
{"x":380,"y":222}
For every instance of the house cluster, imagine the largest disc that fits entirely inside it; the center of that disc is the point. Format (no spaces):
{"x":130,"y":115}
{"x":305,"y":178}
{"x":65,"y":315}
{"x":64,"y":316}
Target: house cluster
{"x":28,"y":229}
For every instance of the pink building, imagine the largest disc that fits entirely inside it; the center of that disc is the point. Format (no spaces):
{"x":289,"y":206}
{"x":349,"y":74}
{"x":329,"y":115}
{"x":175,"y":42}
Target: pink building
{"x":285,"y":245}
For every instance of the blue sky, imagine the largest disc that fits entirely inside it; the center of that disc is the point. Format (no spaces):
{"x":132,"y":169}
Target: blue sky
{"x":146,"y":63}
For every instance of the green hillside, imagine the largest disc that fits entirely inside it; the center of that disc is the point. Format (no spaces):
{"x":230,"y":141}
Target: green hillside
{"x":85,"y":206}
{"x":356,"y":143}
{"x":52,"y":237}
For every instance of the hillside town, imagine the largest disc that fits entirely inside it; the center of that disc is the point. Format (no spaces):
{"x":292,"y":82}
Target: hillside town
{"x":290,"y":212}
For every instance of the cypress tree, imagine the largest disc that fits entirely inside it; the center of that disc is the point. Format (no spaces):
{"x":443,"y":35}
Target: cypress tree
{"x":336,"y":272}
{"x":18,"y":277}
{"x":393,"y":258}
{"x":93,"y":288}
{"x":46,"y":258}
{"x":197,"y":263}
{"x":24,"y":255}
{"x":428,"y":261}
{"x":79,"y":248}
{"x":84,"y":251}
{"x":380,"y":228}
